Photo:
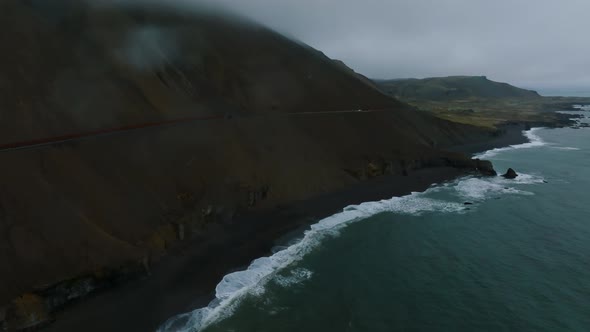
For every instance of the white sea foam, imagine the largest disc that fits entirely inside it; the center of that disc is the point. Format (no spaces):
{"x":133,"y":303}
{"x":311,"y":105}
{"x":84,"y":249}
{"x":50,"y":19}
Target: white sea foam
{"x":296,"y":276}
{"x":235,"y":286}
{"x":566,"y":148}
{"x":483,"y":188}
{"x":522,"y":178}
{"x":252,"y":281}
{"x":476,"y":189}
{"x":534,"y":142}
{"x":582,"y":107}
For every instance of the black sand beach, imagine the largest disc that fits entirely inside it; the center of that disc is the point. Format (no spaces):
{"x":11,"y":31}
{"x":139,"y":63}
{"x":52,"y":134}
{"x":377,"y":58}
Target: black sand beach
{"x":186,"y":279}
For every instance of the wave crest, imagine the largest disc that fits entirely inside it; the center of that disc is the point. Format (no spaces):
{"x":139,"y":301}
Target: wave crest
{"x":534,"y":142}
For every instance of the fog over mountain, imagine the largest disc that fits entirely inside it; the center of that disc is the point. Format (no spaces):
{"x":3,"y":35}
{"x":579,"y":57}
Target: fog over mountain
{"x":532,"y":43}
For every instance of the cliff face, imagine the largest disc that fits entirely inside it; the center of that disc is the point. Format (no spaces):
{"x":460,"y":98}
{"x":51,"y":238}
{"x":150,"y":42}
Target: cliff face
{"x":83,"y":206}
{"x":452,"y":88}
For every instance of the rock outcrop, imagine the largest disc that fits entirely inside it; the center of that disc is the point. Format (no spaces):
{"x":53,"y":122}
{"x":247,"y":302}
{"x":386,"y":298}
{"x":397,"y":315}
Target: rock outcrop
{"x":25,"y":312}
{"x":485,"y":167}
{"x":510,"y":174}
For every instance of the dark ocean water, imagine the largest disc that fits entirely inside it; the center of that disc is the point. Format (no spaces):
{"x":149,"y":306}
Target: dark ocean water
{"x":518,"y":259}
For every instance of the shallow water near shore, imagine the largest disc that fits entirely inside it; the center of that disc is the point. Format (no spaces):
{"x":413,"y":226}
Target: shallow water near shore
{"x":470,"y":255}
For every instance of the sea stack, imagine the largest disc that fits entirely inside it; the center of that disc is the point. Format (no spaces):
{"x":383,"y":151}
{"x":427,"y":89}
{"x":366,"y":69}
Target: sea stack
{"x":485,"y":167}
{"x":510,"y":174}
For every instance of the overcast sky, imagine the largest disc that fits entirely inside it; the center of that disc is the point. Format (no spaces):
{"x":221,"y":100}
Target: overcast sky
{"x":532,"y":43}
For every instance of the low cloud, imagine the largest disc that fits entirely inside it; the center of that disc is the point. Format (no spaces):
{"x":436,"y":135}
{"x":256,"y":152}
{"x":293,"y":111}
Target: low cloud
{"x":148,"y":47}
{"x":535,"y":43}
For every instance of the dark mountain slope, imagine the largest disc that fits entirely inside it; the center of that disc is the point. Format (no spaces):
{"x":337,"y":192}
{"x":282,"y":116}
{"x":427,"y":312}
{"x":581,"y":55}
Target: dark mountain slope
{"x":86,"y":207}
{"x":70,"y":68}
{"x":452,"y":88}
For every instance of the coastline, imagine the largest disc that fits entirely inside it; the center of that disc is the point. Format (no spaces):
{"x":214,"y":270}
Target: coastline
{"x":178,"y":284}
{"x":508,"y":134}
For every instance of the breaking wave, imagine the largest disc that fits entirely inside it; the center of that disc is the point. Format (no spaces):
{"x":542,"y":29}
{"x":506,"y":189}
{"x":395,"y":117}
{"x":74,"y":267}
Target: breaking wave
{"x":235,"y":286}
{"x":479,"y":189}
{"x":566,"y":148}
{"x":534,"y":142}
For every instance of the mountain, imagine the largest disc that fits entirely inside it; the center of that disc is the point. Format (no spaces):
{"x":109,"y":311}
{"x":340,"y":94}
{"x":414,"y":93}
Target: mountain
{"x":66,"y":62}
{"x":128,"y":129}
{"x":452,"y":88}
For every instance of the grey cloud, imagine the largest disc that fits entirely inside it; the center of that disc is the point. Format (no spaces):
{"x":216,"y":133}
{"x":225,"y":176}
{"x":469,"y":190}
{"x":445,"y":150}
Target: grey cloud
{"x":534,"y":43}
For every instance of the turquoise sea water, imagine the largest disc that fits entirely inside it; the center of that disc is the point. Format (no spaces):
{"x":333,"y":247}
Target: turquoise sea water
{"x":518,"y":259}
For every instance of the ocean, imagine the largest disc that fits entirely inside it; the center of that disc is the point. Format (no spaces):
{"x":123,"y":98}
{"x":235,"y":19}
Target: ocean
{"x":474,"y":254}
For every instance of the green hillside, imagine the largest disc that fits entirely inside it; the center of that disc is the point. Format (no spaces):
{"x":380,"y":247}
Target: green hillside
{"x":452,"y":88}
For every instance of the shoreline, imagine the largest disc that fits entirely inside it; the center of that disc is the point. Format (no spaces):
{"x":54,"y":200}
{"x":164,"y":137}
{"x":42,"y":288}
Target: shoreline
{"x":509,"y":134}
{"x":178,"y":284}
